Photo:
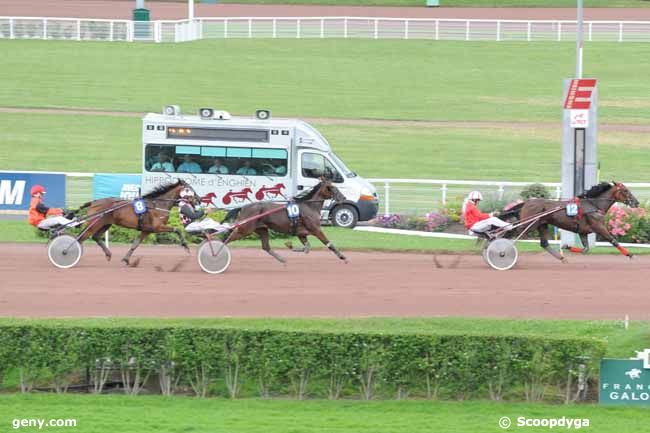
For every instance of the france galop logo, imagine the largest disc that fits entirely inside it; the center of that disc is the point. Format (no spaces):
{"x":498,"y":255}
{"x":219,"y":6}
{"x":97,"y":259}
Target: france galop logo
{"x":635,"y":373}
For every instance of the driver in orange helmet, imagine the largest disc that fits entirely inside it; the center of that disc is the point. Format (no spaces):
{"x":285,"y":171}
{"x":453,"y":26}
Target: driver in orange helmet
{"x":42,"y":216}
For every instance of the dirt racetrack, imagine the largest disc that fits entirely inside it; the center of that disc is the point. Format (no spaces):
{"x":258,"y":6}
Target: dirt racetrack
{"x":318,"y":285}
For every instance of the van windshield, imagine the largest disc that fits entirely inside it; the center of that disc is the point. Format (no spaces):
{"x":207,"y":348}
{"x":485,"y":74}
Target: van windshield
{"x":346,"y":171}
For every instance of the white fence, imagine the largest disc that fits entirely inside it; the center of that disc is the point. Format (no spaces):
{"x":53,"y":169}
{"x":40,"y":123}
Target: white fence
{"x":418,"y":196}
{"x":319,"y":27}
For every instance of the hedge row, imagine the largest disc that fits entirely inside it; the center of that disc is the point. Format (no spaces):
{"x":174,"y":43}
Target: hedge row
{"x":267,"y":363}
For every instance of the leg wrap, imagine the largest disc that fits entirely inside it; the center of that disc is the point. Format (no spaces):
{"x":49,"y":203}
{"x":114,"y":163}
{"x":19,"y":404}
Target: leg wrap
{"x":622,"y":250}
{"x":544,"y":243}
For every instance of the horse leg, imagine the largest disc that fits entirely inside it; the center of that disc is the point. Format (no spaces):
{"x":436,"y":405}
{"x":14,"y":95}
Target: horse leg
{"x":134,"y":245}
{"x":306,"y":246}
{"x":97,"y":237}
{"x":170,"y":229}
{"x":263,"y":232}
{"x":184,"y":244}
{"x":543,"y":241}
{"x":584,"y":239}
{"x":321,"y":237}
{"x":601,"y":230}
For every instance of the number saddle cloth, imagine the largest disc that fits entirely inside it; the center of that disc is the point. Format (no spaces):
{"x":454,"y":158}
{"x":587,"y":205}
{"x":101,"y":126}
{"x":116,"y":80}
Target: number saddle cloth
{"x":293,"y":212}
{"x":140,"y":209}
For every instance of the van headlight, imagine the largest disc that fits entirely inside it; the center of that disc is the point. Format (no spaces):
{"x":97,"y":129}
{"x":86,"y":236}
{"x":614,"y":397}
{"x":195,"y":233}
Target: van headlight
{"x":366,"y":191}
{"x":367,"y":194}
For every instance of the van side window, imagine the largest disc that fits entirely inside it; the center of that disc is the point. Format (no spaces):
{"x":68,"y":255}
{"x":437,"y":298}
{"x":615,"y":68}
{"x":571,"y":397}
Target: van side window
{"x":315,"y":165}
{"x":218,"y":160}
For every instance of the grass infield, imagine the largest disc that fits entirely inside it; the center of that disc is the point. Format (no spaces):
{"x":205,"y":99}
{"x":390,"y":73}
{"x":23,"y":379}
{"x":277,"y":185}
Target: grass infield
{"x":97,"y":414}
{"x":112,"y":144}
{"x":116,"y":413}
{"x":385,"y":79}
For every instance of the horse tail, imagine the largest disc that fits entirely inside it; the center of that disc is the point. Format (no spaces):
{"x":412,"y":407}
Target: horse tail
{"x":85,"y":205}
{"x":232,"y":214}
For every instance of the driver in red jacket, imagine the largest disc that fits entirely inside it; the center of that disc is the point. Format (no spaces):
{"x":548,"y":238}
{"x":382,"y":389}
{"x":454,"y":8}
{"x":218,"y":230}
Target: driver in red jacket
{"x":477,"y":221}
{"x":42,"y":216}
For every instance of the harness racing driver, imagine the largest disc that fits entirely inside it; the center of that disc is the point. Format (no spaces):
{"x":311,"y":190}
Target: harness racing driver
{"x":190,"y":216}
{"x":477,"y":221}
{"x":42,"y":216}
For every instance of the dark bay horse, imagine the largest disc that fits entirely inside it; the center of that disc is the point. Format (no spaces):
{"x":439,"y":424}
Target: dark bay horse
{"x":159,"y":203}
{"x":310,"y":204}
{"x":593,"y":206}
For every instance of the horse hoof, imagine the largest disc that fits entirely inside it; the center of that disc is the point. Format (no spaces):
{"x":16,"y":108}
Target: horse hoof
{"x":108,"y":257}
{"x":630,"y":256}
{"x":125,"y":261}
{"x":289,"y":245}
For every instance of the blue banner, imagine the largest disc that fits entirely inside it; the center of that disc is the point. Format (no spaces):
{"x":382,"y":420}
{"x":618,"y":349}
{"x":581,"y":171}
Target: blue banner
{"x":15,"y":189}
{"x":124,"y":186}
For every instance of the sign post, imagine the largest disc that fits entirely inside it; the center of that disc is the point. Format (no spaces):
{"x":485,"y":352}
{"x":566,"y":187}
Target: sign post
{"x":579,"y":144}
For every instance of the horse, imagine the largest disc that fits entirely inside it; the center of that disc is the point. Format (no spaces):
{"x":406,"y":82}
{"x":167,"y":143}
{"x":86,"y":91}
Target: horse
{"x":120,"y":212}
{"x":261,"y":216}
{"x":592,"y":208}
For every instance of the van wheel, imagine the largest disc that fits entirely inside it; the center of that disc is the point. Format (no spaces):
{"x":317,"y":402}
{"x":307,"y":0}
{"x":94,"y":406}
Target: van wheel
{"x":345,"y":216}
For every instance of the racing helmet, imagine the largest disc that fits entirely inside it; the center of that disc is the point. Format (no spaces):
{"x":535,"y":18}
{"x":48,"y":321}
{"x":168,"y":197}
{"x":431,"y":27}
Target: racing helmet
{"x":187,"y":193}
{"x":475,"y":195}
{"x":36,"y":189}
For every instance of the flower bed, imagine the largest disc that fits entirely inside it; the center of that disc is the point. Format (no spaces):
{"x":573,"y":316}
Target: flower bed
{"x":431,"y":222}
{"x":629,"y":225}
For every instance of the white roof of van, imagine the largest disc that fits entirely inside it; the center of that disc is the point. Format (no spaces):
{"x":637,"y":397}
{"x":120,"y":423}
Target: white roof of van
{"x":233,"y":121}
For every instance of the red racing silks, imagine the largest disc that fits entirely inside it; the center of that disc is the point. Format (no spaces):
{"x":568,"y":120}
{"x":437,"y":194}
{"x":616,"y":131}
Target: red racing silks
{"x":577,"y":200}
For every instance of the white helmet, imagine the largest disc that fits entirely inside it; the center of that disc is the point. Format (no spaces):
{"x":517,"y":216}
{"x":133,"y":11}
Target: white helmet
{"x":475,"y":195}
{"x":187,"y":193}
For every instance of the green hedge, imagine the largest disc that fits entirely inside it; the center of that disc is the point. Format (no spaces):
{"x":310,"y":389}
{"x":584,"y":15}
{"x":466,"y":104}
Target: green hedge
{"x":238,"y":362}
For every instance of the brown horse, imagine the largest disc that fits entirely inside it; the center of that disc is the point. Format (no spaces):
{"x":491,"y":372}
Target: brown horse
{"x":593,"y":206}
{"x":109,"y":211}
{"x":275,"y":216}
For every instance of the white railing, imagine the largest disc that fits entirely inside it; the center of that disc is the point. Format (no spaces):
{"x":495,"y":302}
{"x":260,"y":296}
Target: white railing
{"x":418,"y":196}
{"x":412,"y":28}
{"x":319,"y":27}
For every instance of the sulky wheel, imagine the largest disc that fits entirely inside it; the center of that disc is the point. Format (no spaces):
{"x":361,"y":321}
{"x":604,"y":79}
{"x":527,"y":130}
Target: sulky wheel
{"x":501,"y":254}
{"x":213,"y":256}
{"x":64,"y":251}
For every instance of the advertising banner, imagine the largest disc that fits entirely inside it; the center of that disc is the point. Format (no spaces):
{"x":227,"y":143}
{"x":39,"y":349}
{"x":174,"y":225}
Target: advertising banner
{"x":124,"y":186}
{"x":15,"y":189}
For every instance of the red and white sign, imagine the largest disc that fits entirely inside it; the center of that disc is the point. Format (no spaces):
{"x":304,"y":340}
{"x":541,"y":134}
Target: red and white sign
{"x":579,"y":118}
{"x":579,"y":95}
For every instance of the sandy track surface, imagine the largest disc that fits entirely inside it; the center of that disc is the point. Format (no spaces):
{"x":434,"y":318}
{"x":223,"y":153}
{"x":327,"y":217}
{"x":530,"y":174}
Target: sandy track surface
{"x":318,"y":285}
{"x":117,"y":9}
